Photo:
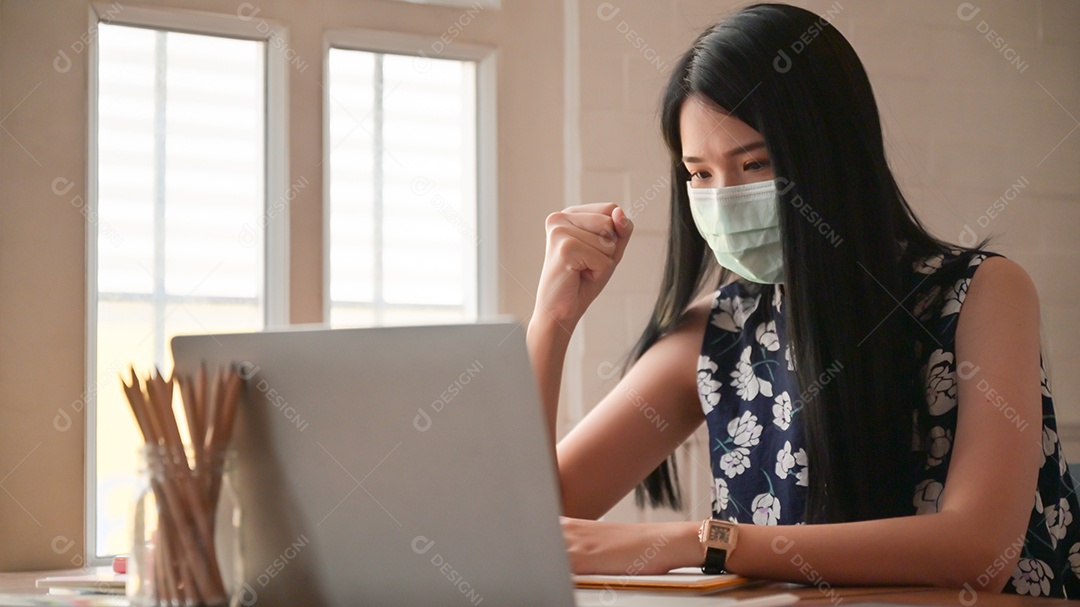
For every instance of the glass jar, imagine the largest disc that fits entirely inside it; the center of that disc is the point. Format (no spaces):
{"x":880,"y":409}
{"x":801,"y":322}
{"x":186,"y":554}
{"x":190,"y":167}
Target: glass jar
{"x":186,"y":545}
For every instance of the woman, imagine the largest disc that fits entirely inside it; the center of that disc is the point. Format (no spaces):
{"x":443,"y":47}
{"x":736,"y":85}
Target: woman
{"x":854,"y":372}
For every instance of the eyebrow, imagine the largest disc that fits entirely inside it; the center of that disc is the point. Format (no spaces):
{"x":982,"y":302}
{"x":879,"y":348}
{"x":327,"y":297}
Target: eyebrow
{"x":742,"y":149}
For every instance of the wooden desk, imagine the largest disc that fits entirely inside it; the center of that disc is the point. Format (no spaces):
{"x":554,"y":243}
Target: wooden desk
{"x":809,"y":595}
{"x":24,"y":583}
{"x":12,"y":583}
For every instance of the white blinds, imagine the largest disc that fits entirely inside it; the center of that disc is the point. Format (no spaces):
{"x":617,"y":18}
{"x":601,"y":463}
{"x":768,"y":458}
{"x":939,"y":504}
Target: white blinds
{"x":180,"y":247}
{"x":403,"y":213}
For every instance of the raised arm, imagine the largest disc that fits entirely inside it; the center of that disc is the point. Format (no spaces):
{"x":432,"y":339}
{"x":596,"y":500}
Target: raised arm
{"x":584,"y":244}
{"x":651,"y":411}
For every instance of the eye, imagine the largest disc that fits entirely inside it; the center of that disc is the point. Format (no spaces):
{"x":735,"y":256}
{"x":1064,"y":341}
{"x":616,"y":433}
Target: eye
{"x":700,"y":175}
{"x":756,"y":165}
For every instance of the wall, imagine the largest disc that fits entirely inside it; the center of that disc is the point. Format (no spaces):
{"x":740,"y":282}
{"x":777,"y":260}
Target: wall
{"x":577,"y":122}
{"x":42,"y":235}
{"x":970,"y":127}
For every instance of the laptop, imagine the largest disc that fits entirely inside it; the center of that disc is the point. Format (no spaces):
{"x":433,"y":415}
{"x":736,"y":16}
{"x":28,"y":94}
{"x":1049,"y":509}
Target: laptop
{"x":399,"y":466}
{"x":391,"y":466}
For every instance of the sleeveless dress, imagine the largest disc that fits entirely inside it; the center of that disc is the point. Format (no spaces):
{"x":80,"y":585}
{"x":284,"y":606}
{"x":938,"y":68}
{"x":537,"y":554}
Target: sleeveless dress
{"x":752,"y":405}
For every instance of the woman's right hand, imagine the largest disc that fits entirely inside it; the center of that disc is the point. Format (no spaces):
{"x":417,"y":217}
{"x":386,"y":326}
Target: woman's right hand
{"x":584,"y":244}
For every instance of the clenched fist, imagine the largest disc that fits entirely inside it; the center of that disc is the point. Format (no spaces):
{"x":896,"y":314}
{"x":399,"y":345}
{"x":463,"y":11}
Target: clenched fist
{"x":584,"y":244}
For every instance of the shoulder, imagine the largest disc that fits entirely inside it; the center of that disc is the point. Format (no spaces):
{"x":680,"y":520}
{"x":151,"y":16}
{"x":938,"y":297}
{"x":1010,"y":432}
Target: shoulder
{"x":727,"y":307}
{"x":998,"y":282}
{"x":1004,"y":274}
{"x":971,"y":279}
{"x":998,"y":326}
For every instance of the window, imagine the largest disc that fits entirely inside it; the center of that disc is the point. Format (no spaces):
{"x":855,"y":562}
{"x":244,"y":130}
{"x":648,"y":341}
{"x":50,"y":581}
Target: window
{"x":403,"y":233}
{"x":181,"y":234}
{"x":190,"y":187}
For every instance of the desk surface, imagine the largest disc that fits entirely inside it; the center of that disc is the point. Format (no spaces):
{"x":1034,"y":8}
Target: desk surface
{"x":808,"y":595}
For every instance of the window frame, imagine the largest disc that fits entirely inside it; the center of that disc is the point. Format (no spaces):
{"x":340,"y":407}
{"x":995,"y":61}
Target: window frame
{"x":275,"y":279}
{"x":487,"y":220}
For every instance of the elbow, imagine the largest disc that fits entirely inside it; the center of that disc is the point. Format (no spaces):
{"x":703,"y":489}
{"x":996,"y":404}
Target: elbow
{"x":998,"y":583}
{"x":579,"y":511}
{"x":983,"y":566}
{"x":573,"y":506}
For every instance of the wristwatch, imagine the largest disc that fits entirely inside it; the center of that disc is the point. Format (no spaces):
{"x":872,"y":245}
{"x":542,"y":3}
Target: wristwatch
{"x":718,"y":541}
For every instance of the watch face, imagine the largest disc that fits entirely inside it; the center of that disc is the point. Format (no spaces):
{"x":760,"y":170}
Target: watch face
{"x":719,"y":533}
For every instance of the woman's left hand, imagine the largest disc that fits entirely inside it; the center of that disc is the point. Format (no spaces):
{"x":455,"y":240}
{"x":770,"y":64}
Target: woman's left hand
{"x":629,"y":548}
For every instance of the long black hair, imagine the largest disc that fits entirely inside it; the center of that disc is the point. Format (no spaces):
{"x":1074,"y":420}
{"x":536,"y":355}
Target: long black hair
{"x":791,"y":76}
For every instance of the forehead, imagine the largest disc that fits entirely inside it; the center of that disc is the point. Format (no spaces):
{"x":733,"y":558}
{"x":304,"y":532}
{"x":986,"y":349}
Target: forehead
{"x":708,"y":132}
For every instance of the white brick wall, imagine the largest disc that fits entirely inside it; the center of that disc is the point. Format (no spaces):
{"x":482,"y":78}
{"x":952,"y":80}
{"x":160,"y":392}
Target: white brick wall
{"x":962,"y":124}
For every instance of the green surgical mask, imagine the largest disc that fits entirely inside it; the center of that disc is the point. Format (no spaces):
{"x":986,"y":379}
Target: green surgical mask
{"x":741,"y":224}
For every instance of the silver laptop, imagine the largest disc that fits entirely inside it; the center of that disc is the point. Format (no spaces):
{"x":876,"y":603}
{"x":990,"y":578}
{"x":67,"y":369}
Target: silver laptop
{"x":392,"y":466}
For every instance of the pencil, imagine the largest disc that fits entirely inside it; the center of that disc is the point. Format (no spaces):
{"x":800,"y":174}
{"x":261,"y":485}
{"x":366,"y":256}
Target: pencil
{"x":184,"y":560}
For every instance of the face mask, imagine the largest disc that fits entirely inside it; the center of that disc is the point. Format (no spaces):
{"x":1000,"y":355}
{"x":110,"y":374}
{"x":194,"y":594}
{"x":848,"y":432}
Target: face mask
{"x":741,"y":224}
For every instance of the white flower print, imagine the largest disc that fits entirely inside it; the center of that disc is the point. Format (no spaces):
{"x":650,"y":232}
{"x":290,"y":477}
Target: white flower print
{"x":940,"y":443}
{"x":955,"y":297}
{"x":940,"y":379}
{"x":976,"y":260}
{"x":786,"y":461}
{"x":744,"y":430}
{"x":735,"y":462}
{"x":776,"y":298}
{"x":790,"y":359}
{"x":927,"y":495}
{"x":720,"y":495}
{"x":928,"y":265}
{"x":1074,"y":559}
{"x":1032,"y":576}
{"x":748,"y":384}
{"x":745,"y":433}
{"x":730,"y":313}
{"x":781,"y":411}
{"x":1058,"y":518}
{"x":1049,"y":443}
{"x":766,"y":336}
{"x":766,"y":509}
{"x":708,"y":388}
{"x":1038,"y":501}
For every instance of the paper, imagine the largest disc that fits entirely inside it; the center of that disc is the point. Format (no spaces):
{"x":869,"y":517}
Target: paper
{"x":687,"y":579}
{"x":95,"y":583}
{"x":625,"y":598}
{"x":52,"y":600}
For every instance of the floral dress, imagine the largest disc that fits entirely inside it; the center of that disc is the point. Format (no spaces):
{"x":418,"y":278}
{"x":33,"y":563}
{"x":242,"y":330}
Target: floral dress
{"x":752,"y":404}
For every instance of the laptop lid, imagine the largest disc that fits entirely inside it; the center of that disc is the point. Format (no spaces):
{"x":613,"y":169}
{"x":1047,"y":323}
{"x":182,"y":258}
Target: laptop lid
{"x":404,"y":465}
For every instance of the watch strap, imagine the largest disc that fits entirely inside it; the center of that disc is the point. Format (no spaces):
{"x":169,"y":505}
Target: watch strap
{"x":715,"y":559}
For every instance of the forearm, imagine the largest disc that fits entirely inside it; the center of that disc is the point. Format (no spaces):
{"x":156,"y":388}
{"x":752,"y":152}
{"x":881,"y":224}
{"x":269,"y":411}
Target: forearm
{"x":941,"y":549}
{"x":606,"y":548}
{"x":926,"y":550}
{"x":547,"y":342}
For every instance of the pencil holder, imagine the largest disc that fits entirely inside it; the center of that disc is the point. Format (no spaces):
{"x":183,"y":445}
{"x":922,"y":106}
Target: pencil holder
{"x":187,"y":530}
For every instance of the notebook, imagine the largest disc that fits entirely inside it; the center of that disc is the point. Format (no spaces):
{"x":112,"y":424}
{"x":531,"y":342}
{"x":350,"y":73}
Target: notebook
{"x":686,"y":580}
{"x":102,"y":581}
{"x":405,"y":466}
